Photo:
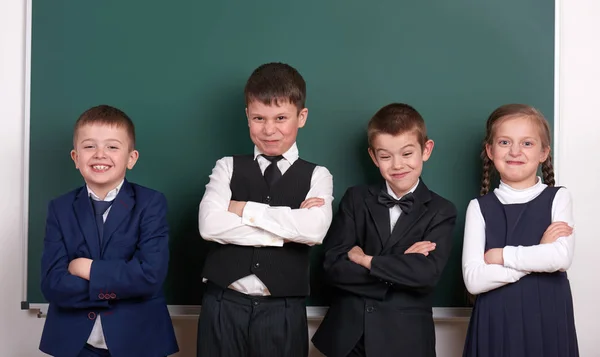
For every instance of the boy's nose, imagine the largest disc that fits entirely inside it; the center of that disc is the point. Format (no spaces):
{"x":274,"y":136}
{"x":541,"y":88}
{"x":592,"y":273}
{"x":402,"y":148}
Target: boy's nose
{"x":398,"y":163}
{"x":269,"y":128}
{"x":99,"y":153}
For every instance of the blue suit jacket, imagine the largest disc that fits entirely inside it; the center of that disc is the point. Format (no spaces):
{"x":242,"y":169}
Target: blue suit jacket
{"x":126,"y":277}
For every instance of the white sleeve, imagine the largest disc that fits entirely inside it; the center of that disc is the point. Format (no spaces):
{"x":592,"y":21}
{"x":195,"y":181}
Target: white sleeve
{"x":480,"y":277}
{"x":302,"y":225}
{"x":219,"y":225}
{"x":551,"y":257}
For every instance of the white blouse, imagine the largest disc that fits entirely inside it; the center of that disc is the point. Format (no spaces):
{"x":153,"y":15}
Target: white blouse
{"x":519,"y":261}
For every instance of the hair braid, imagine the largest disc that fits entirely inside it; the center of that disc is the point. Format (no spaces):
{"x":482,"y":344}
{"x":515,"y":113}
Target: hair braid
{"x":548,"y":171}
{"x":487,"y":173}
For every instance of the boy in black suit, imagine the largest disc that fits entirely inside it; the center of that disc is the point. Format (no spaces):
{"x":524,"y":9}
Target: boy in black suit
{"x":387,"y":248}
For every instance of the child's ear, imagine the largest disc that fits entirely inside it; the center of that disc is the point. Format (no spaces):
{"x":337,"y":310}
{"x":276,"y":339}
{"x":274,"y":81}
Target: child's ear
{"x":133,"y":158}
{"x":302,"y":116}
{"x":74,"y":157}
{"x":247,"y":117}
{"x":545,"y":153}
{"x":372,"y":155}
{"x":427,"y":149}
{"x":488,"y":151}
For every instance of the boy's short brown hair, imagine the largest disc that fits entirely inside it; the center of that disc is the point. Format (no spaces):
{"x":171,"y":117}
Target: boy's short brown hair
{"x":395,"y":119}
{"x":105,"y":115}
{"x":274,"y":82}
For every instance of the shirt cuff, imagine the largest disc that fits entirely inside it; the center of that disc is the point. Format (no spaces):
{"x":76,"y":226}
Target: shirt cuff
{"x":252,"y":215}
{"x":509,"y":254}
{"x":253,"y":212}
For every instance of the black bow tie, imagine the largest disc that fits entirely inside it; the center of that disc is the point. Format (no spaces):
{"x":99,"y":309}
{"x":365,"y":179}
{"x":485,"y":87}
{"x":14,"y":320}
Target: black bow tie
{"x":405,"y":203}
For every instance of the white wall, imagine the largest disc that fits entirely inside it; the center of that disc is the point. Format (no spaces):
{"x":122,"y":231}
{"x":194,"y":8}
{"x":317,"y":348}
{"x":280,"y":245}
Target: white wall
{"x":579,"y":58}
{"x":579,"y":158}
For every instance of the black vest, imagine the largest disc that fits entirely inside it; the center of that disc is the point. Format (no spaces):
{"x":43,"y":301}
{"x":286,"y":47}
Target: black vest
{"x":284,"y":270}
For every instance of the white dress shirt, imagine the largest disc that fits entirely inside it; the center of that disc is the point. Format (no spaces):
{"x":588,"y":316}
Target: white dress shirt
{"x":262,"y":225}
{"x":519,"y":261}
{"x":96,"y":338}
{"x":396,"y":211}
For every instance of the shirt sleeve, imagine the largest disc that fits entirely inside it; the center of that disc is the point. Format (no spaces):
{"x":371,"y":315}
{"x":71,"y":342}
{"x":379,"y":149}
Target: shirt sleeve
{"x":480,"y":277}
{"x":302,"y":225}
{"x":550,"y":257}
{"x":219,"y":225}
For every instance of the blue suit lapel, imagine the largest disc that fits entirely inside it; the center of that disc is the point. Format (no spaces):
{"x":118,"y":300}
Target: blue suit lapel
{"x":82,"y":206}
{"x":120,"y":209}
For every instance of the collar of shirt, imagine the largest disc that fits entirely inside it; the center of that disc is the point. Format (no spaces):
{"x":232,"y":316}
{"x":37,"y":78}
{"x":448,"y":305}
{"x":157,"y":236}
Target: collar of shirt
{"x":507,"y":194}
{"x":111,"y":195}
{"x":290,"y":156}
{"x":391,"y":192}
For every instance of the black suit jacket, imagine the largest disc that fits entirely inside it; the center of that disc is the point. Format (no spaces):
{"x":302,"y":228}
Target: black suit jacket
{"x":391,"y":304}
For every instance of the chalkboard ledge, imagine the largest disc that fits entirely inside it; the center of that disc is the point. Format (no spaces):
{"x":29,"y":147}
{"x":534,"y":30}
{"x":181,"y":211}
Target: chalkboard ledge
{"x":452,"y":314}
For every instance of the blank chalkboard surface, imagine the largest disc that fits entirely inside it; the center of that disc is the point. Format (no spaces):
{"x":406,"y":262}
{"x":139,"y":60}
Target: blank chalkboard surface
{"x":178,"y":69}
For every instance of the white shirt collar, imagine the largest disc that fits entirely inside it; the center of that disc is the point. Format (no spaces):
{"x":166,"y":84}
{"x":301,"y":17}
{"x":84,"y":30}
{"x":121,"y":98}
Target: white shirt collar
{"x":111,"y":195}
{"x":391,"y":192}
{"x":291,"y":155}
{"x":507,"y":188}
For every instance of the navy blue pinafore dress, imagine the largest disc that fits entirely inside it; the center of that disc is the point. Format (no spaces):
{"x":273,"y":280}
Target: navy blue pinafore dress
{"x":532,"y":317}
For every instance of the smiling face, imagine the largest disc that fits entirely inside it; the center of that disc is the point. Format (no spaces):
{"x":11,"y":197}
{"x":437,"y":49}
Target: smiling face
{"x":103,"y":153}
{"x":273,"y":128}
{"x":400,"y":159}
{"x":517,"y":150}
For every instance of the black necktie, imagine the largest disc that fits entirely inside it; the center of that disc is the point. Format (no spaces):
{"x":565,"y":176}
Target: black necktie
{"x":272,"y":172}
{"x":405,"y":203}
{"x":99,"y":208}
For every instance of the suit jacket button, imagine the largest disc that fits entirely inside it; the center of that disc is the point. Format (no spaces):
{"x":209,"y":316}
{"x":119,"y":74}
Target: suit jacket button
{"x":91,"y":315}
{"x":113,"y":295}
{"x":101,"y":296}
{"x":370,"y":309}
{"x":256,"y":265}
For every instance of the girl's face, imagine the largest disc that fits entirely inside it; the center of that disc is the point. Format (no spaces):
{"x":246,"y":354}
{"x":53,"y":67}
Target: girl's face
{"x":517,"y":151}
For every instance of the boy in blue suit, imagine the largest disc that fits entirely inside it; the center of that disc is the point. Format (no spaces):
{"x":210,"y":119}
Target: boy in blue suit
{"x":106,"y":252}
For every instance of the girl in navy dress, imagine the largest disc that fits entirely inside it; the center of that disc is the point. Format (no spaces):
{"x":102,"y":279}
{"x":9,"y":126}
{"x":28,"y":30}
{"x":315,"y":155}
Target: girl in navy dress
{"x":518,"y":245}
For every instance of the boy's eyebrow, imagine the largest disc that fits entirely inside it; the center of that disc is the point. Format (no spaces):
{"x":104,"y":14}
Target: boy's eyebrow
{"x":402,"y":148}
{"x":261,"y":115}
{"x":117,"y":140}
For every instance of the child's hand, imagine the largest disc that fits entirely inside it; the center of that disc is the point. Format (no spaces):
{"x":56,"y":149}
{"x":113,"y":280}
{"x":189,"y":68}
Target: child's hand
{"x":555,"y":231}
{"x":312,"y":202}
{"x":423,"y":247}
{"x":494,"y":256}
{"x":81,"y":267}
{"x":237,"y":207}
{"x":358,"y":256}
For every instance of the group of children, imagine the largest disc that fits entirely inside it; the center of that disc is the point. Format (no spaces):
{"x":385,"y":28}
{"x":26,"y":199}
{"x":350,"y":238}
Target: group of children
{"x":106,"y":253}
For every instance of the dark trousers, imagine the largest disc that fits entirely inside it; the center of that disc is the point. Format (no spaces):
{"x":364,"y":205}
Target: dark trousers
{"x":233,"y":324}
{"x":91,"y":351}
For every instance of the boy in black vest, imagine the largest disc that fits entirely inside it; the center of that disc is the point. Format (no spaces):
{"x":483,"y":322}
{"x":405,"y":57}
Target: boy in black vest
{"x":263,"y":212}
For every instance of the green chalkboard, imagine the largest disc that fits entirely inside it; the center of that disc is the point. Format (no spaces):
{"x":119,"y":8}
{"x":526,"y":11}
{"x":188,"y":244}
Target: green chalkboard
{"x":178,"y":69}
